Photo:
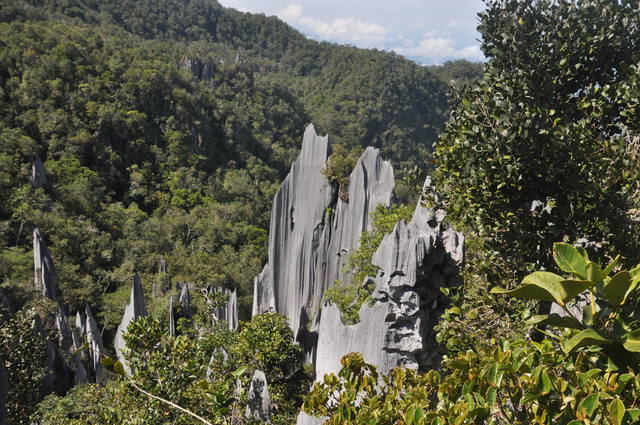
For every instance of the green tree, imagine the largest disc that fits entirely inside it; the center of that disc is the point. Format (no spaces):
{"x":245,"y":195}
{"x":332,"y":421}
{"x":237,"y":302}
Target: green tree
{"x":544,"y":147}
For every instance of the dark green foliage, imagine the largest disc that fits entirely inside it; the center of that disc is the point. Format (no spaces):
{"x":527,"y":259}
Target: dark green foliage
{"x":23,"y":352}
{"x":553,"y":120}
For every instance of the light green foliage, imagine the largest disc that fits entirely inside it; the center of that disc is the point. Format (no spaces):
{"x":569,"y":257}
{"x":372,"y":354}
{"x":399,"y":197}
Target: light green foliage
{"x":605,"y":317}
{"x":552,"y":120}
{"x":339,"y":168}
{"x":350,"y":296}
{"x":521,"y":383}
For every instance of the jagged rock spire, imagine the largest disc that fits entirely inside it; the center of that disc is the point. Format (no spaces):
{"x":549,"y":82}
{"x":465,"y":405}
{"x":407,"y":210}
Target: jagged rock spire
{"x":228,"y":312}
{"x":38,"y":175}
{"x":415,"y":260}
{"x":185,"y":298}
{"x":96,"y":348}
{"x":312,"y":231}
{"x":134,"y":310}
{"x":172,"y":318}
{"x":259,"y":402}
{"x":45,"y":274}
{"x":69,"y":358}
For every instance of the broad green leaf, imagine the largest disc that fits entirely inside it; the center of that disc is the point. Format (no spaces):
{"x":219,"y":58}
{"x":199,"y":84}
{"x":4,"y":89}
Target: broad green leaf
{"x":544,"y":385}
{"x":119,"y":368}
{"x":632,"y":416}
{"x":589,"y":404}
{"x":569,"y":260}
{"x":616,"y":411}
{"x":107,"y":362}
{"x":555,"y":320}
{"x":546,"y":286}
{"x":632,"y":343}
{"x":492,"y":393}
{"x":585,"y":338}
{"x":616,"y":289}
{"x":576,"y":422}
{"x":594,"y":273}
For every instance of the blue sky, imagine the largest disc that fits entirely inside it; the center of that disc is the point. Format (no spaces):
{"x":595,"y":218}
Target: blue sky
{"x":427,"y":31}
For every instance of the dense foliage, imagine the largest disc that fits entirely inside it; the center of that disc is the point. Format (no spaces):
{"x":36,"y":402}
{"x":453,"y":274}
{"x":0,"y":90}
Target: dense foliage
{"x":545,"y":146}
{"x":584,"y":373}
{"x":192,"y":374}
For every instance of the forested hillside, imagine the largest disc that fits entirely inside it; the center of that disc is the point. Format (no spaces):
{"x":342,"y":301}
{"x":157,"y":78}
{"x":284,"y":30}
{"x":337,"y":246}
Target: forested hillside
{"x":165,"y":127}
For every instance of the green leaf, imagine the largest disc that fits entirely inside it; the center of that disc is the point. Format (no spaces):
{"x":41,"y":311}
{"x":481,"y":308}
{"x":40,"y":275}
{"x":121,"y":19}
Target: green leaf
{"x":546,"y":286}
{"x":585,"y":338}
{"x":555,"y":320}
{"x":491,"y":395}
{"x":616,"y":411}
{"x":632,"y":343}
{"x":616,"y":289}
{"x":119,"y":368}
{"x":107,"y":362}
{"x":569,"y":260}
{"x":589,"y":404}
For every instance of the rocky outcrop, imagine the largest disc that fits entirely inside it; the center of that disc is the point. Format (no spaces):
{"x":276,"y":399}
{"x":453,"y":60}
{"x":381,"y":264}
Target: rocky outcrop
{"x":185,"y":300}
{"x":70,"y":359}
{"x":259,"y":402}
{"x":96,"y":347}
{"x":135,"y":309}
{"x":45,"y":274}
{"x":415,"y":260}
{"x":38,"y":175}
{"x":172,"y":318}
{"x":229,"y":311}
{"x":312,"y":231}
{"x":198,"y":68}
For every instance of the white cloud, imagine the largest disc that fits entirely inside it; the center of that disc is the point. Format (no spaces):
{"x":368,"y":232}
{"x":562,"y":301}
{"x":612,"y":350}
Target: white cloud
{"x":438,"y":49}
{"x":343,"y":30}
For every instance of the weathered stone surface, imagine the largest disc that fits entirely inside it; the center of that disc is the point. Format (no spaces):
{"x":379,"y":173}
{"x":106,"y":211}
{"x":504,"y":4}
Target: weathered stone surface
{"x":219,"y":356}
{"x":38,"y":175}
{"x":304,"y":419}
{"x":312,"y":231}
{"x":185,"y":299}
{"x":162,"y":285}
{"x":259,"y":402}
{"x":45,"y":274}
{"x":415,"y":260}
{"x":135,"y":309}
{"x":198,"y":68}
{"x":96,"y":347}
{"x":80,"y":323}
{"x":228,"y":312}
{"x":172,"y":318}
{"x":70,"y":361}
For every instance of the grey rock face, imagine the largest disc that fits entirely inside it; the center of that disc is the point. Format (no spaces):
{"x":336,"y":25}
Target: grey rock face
{"x":38,"y":175}
{"x":228,"y":312}
{"x":71,"y":361}
{"x":45,"y":274}
{"x":415,"y":260}
{"x":172,"y":318}
{"x":185,"y":299}
{"x":134,"y":310}
{"x":198,"y":68}
{"x":312,"y":231}
{"x":219,"y":355}
{"x":96,"y":347}
{"x":259,"y":402}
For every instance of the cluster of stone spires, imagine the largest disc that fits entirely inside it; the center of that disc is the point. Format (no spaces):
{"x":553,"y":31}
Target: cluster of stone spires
{"x":312,"y":233}
{"x":310,"y":220}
